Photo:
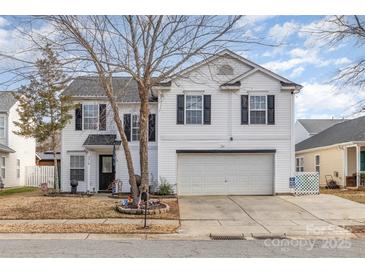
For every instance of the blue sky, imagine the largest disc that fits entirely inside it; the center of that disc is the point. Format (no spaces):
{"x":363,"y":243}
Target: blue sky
{"x":301,"y":57}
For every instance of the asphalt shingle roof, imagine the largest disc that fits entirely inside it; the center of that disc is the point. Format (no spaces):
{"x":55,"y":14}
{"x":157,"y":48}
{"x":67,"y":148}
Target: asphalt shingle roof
{"x":314,"y":126}
{"x":347,"y":131}
{"x":48,"y":155}
{"x":125,"y":88}
{"x":101,"y":139}
{"x":7,"y":100}
{"x":6,"y":149}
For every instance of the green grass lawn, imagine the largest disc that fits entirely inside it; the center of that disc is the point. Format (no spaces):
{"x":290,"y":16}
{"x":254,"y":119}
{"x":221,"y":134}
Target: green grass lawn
{"x":15,"y":190}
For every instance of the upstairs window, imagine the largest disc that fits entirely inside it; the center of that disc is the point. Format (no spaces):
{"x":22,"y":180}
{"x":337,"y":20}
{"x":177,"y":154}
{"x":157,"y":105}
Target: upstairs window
{"x":91,"y":117}
{"x":2,"y":127}
{"x":194,"y":109}
{"x":258,"y":110}
{"x":135,"y":127}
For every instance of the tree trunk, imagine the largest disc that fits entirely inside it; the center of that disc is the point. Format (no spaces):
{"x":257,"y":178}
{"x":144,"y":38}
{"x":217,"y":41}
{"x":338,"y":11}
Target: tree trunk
{"x":54,"y":145}
{"x":143,"y":137}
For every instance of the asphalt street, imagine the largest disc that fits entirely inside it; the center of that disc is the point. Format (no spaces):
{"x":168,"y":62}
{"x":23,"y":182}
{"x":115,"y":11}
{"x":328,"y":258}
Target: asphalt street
{"x":177,"y":249}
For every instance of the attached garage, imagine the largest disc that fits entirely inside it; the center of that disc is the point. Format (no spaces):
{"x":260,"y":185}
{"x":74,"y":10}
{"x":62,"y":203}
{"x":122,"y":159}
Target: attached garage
{"x":225,"y":172}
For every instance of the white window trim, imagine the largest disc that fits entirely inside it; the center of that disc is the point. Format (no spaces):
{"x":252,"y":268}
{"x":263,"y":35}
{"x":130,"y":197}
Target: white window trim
{"x":83,"y":116}
{"x":3,"y":166}
{"x":194,"y":93}
{"x":18,"y":168}
{"x":84,"y":167}
{"x":315,"y":164}
{"x":3,"y":117}
{"x":298,"y":167}
{"x":249,"y":109}
{"x":134,"y":114}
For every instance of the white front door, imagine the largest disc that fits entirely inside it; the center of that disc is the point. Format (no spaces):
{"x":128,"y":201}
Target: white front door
{"x":225,"y":174}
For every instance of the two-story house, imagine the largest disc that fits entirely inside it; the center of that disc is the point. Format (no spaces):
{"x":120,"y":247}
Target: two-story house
{"x":16,"y":152}
{"x":223,"y":126}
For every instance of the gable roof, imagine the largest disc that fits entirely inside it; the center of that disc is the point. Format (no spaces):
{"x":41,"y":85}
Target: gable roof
{"x":314,"y":126}
{"x":7,"y":100}
{"x":347,"y":131}
{"x":125,"y":88}
{"x":48,"y":155}
{"x":101,"y":140}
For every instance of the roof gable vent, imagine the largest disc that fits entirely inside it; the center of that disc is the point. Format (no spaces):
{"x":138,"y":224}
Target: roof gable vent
{"x":225,"y":70}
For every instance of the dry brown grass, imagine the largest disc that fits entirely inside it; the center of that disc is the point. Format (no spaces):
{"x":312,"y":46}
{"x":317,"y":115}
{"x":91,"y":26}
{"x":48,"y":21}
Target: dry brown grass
{"x":87,"y":228}
{"x":350,"y":194}
{"x":36,"y":206}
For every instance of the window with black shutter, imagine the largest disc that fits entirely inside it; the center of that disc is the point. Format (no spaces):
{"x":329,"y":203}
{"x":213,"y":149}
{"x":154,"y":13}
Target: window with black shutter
{"x":152,"y":128}
{"x":78,"y":117}
{"x":244,"y":109}
{"x":127,"y":126}
{"x":271,"y":109}
{"x":180,"y":109}
{"x":207,"y":109}
{"x":102,"y":117}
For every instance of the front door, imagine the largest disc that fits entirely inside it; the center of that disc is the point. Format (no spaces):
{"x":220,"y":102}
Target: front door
{"x":106,"y":172}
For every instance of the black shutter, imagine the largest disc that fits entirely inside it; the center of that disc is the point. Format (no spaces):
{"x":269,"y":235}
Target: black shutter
{"x":78,"y":117}
{"x":271,"y":109}
{"x":244,"y":109}
{"x":180,"y":110}
{"x":127,"y":126}
{"x":102,"y":117}
{"x":207,"y":109}
{"x":152,"y":127}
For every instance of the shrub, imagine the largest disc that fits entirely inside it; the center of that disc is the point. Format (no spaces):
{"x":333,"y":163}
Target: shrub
{"x":165,"y":188}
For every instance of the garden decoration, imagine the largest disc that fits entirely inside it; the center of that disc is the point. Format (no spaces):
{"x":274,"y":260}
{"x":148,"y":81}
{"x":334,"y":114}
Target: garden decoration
{"x":44,"y":187}
{"x":74,"y":185}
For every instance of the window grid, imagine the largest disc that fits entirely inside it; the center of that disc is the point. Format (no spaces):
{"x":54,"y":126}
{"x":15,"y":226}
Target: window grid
{"x":2,"y":127}
{"x":299,"y":167}
{"x":77,"y":167}
{"x":91,"y":117}
{"x":3,"y":162}
{"x":194,"y":109}
{"x":135,"y":127}
{"x":317,"y":162}
{"x":258,"y":109}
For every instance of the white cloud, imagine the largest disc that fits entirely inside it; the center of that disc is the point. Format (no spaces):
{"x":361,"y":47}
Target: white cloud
{"x":325,"y":101}
{"x":253,"y":19}
{"x":342,"y":61}
{"x":280,"y":32}
{"x":3,"y":22}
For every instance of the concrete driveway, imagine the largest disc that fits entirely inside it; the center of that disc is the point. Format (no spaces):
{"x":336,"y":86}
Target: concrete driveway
{"x":306,"y":216}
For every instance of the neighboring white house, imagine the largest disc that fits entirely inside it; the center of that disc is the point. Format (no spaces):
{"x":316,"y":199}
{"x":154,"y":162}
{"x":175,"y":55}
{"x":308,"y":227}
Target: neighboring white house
{"x":16,"y":152}
{"x":224,"y":126}
{"x":305,"y":128}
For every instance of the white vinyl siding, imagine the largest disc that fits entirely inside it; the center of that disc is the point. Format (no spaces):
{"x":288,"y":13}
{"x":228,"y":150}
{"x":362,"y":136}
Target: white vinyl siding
{"x":257,"y":109}
{"x":193,"y":109}
{"x":91,"y":117}
{"x":299,"y":164}
{"x":77,"y":168}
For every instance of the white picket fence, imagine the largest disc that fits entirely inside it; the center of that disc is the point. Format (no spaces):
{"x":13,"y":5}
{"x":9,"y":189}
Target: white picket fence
{"x":36,"y":175}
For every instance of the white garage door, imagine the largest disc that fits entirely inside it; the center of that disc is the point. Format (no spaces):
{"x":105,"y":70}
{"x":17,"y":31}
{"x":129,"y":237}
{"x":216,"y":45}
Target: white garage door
{"x":225,"y":174}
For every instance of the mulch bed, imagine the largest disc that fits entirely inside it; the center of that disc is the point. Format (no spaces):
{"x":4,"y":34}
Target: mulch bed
{"x":88,"y":228}
{"x":355,"y":228}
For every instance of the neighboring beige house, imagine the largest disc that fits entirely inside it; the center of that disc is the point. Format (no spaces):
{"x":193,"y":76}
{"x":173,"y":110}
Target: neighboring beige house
{"x":338,"y":151}
{"x":16,"y":152}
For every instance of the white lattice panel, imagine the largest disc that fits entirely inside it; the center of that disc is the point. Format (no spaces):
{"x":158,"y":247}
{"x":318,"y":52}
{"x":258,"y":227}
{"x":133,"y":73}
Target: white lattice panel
{"x":306,"y":183}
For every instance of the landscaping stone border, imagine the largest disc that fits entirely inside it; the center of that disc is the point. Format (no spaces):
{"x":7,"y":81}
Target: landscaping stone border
{"x":139,"y":211}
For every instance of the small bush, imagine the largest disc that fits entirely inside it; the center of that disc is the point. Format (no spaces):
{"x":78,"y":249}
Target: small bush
{"x":165,"y":188}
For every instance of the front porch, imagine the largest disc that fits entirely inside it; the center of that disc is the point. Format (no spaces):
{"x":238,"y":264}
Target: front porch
{"x":354,"y":165}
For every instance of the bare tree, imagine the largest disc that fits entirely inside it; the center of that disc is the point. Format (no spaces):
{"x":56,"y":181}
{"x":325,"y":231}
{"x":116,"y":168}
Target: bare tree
{"x":338,"y":30}
{"x":149,"y":49}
